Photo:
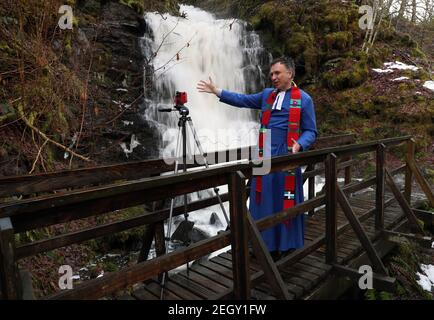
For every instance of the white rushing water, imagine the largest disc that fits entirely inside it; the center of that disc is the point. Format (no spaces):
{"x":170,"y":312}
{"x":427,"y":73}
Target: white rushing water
{"x":184,"y":51}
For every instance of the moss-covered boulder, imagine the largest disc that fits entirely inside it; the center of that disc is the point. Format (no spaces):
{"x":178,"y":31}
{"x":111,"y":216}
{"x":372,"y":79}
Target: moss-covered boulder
{"x":349,"y":73}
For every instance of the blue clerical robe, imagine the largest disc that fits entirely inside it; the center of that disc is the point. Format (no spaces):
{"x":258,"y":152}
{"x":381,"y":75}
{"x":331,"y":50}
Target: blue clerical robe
{"x":280,"y":237}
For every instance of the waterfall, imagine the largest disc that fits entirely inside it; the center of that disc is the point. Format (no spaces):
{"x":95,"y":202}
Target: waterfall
{"x":180,"y":52}
{"x":183,"y":51}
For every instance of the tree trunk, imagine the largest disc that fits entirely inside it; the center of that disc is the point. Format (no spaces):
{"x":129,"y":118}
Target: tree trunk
{"x":413,"y":11}
{"x":402,"y":9}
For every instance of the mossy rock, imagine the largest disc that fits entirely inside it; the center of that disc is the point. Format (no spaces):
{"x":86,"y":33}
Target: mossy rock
{"x":92,"y":7}
{"x":299,"y":42}
{"x":341,"y":40}
{"x":408,"y":41}
{"x":406,"y":86}
{"x":4,"y":47}
{"x":335,"y":20}
{"x":420,"y":74}
{"x":349,"y":74}
{"x":418,"y":53}
{"x":126,"y":240}
{"x":381,"y":100}
{"x":137,"y":5}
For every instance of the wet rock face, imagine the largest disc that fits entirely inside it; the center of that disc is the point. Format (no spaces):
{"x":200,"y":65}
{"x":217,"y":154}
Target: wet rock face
{"x":113,"y":32}
{"x":215,"y":220}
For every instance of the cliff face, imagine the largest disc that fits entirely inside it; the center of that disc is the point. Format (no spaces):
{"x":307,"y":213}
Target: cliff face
{"x":80,"y":88}
{"x":117,"y":68}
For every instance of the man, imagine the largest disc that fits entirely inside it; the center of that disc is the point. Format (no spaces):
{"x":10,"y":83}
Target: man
{"x":288,"y":115}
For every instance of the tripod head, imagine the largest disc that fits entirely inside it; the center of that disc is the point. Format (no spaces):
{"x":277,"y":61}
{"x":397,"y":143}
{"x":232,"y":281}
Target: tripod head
{"x":180,"y":101}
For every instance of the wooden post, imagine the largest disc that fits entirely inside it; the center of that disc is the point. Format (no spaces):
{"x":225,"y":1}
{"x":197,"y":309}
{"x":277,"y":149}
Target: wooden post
{"x":160,"y":243}
{"x":379,"y":192}
{"x":409,"y":157}
{"x":9,"y":277}
{"x":148,"y":235}
{"x":348,"y":171}
{"x":239,"y":231}
{"x":331,"y":219}
{"x":311,"y":186}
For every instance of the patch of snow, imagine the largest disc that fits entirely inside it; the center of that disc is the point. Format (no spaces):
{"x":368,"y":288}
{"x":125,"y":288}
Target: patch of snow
{"x":400,"y":79}
{"x":400,"y":66}
{"x":73,"y":141}
{"x":133,"y":144}
{"x":429,"y":85}
{"x":121,"y":104}
{"x":128,"y":123}
{"x":418,"y":92}
{"x":429,"y":271}
{"x":122,"y":89}
{"x":83,"y":269}
{"x":216,"y":253}
{"x":76,"y":277}
{"x":101,"y":274}
{"x":424,"y":282}
{"x":383,"y":71}
{"x":426,"y":279}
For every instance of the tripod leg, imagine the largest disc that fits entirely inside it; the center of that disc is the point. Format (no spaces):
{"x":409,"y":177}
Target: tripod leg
{"x":184,"y":160}
{"x":169,"y":226}
{"x":199,"y":146}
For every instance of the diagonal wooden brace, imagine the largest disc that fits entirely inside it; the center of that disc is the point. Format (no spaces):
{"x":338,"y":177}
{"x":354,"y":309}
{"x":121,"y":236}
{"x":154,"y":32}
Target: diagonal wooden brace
{"x":260,"y":250}
{"x":360,"y":232}
{"x":422,"y":182}
{"x":403,"y":203}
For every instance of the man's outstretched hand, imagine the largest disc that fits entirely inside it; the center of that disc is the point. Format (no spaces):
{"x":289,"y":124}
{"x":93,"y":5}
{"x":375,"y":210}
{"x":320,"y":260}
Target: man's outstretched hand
{"x":207,"y":87}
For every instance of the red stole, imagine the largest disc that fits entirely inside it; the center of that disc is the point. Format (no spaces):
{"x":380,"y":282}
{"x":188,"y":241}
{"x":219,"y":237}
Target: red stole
{"x":293,"y":133}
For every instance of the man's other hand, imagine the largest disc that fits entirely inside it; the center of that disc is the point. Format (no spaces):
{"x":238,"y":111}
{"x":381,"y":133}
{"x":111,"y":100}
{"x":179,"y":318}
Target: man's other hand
{"x":295,"y":146}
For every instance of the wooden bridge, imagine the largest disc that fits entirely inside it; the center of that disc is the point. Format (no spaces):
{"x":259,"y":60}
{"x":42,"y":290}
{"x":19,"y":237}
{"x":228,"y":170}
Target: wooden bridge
{"x":345,"y":227}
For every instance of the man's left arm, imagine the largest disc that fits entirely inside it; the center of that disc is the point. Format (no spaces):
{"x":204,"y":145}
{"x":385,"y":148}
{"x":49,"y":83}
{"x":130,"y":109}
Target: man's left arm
{"x":307,"y":124}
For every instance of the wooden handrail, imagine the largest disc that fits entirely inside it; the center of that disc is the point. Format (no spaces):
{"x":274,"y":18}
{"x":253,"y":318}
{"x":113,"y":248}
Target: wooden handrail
{"x":178,"y":181}
{"x":60,"y":180}
{"x":150,"y":218}
{"x":50,"y":209}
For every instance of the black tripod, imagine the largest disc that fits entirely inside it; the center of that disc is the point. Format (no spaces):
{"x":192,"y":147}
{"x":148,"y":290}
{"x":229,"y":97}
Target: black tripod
{"x":182,"y":132}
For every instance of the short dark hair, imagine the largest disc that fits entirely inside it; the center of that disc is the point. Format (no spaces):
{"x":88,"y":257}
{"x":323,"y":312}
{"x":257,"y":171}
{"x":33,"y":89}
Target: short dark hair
{"x":286,"y":61}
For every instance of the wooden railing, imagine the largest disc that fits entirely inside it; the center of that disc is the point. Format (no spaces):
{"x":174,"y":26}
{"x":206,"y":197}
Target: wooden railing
{"x":132,"y":184}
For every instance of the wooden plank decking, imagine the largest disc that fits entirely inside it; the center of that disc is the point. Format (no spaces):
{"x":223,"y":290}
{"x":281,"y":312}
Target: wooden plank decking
{"x":208,"y":279}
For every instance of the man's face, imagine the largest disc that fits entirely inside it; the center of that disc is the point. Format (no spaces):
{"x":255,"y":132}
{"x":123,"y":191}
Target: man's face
{"x":281,"y":76}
